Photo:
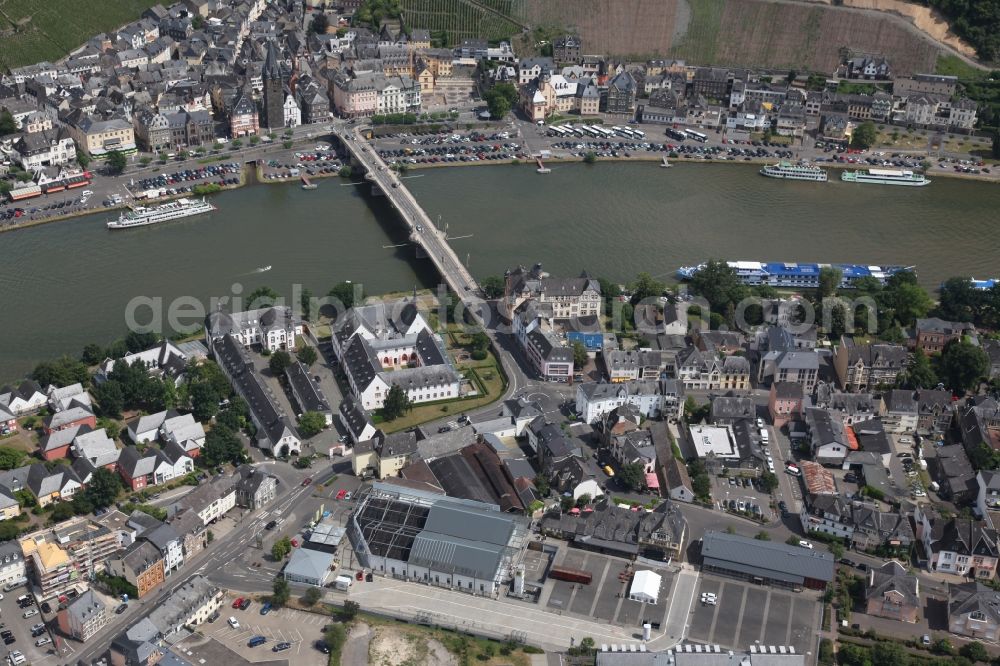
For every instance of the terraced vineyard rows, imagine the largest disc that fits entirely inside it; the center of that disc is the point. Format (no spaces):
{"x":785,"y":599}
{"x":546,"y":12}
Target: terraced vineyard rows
{"x":462,"y":19}
{"x":34,"y":30}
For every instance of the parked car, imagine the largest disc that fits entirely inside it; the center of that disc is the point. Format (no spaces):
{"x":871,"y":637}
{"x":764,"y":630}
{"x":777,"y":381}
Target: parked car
{"x":234,"y":623}
{"x":121,"y":609}
{"x":245,"y":604}
{"x":237,"y":602}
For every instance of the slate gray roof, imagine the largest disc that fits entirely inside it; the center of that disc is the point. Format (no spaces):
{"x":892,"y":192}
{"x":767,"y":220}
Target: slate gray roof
{"x":965,"y":598}
{"x":767,"y":559}
{"x":893,"y":577}
{"x":306,"y":391}
{"x":136,"y":463}
{"x":900,"y":401}
{"x":61,"y":438}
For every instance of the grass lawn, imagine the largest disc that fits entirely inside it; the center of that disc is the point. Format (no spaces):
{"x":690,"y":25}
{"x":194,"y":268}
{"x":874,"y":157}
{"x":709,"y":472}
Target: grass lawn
{"x":951,"y":65}
{"x":897,"y":138}
{"x":484,"y":373}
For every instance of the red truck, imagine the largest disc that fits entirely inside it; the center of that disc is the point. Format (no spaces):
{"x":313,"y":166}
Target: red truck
{"x":571,"y":575}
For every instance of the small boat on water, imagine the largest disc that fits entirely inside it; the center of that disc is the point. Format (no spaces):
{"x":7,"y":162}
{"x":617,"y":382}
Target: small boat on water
{"x":541,"y":167}
{"x":306,"y":184}
{"x":665,"y":164}
{"x":264,"y":269}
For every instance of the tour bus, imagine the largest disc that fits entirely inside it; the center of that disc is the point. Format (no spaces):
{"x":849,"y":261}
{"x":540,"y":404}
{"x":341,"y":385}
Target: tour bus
{"x":638,"y":133}
{"x":608,"y":134}
{"x":677,"y":134}
{"x":697,"y":136}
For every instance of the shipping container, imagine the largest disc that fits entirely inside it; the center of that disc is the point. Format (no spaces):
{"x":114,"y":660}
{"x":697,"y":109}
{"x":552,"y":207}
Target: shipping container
{"x":571,"y":575}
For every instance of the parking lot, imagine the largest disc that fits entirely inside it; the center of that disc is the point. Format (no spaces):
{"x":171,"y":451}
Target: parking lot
{"x":742,"y":496}
{"x":297,"y":627}
{"x":746,"y":613}
{"x":180,"y":182}
{"x":20,"y":629}
{"x":606,"y":597}
{"x":320,"y":161}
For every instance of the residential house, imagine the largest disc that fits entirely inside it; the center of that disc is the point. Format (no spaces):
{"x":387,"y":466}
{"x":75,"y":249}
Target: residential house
{"x":786,"y":402}
{"x":932,"y":334}
{"x":799,"y":367}
{"x":97,"y":449}
{"x":384,"y":455}
{"x":661,"y":397}
{"x":26,"y":398}
{"x":165,"y":360}
{"x":83,"y":617}
{"x":189,"y":605}
{"x":308,"y":395}
{"x":101,"y":137}
{"x":898,"y":411}
{"x":47,"y":487}
{"x":271,"y":328}
{"x":11,"y":562}
{"x":633,"y":364}
{"x":209,"y":501}
{"x":255,"y":487}
{"x":138,"y":468}
{"x":37,"y":150}
{"x":957,"y":546}
{"x":622,"y":93}
{"x":974,"y":611}
{"x":141,"y":564}
{"x":163,"y":536}
{"x":356,"y":420}
{"x":955,"y":474}
{"x":610,"y":529}
{"x":980,"y":423}
{"x":183,"y":431}
{"x":243,"y":118}
{"x":892,"y":592}
{"x":56,"y":444}
{"x":677,"y":482}
{"x":567,"y":297}
{"x":566,"y":48}
{"x":935,"y":411}
{"x":698,"y":370}
{"x":870,"y":365}
{"x":830,"y":439}
{"x":274,"y":431}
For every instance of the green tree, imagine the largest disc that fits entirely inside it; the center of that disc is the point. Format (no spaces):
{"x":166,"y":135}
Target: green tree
{"x":261,"y":297}
{"x":10,"y":458}
{"x":864,"y":136}
{"x":762,"y":536}
{"x":311,"y":423}
{"x":645,"y":287}
{"x":492,"y":286}
{"x":497,"y":104}
{"x":7,"y":123}
{"x":350,"y":610}
{"x":958,"y":300}
{"x":583,"y":500}
{"x":281,"y":548}
{"x":110,"y":398}
{"x":279,"y":589}
{"x":137,"y":342}
{"x":92,"y":354}
{"x":347,"y":293}
{"x":335,"y":636}
{"x":718,"y":283}
{"x":836,"y":549}
{"x":580,"y":357}
{"x":61,"y":372}
{"x":702,"y":486}
{"x":919,"y":374}
{"x":962,"y":365}
{"x":769,"y":482}
{"x":888,"y":653}
{"x":103,"y":488}
{"x":222,"y":445}
{"x":116,"y":161}
{"x":829,"y":281}
{"x":396,"y":403}
{"x":82,"y":158}
{"x":542,"y":486}
{"x":305,"y":300}
{"x":632,"y":476}
{"x":307,"y":354}
{"x":204,"y":401}
{"x":61,"y":511}
{"x":590,"y":157}
{"x":311,"y":596}
{"x":975,"y":651}
{"x":279,"y":362}
{"x":198,"y":22}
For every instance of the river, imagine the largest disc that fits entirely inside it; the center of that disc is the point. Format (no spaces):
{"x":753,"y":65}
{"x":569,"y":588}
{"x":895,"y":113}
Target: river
{"x":65,"y":284}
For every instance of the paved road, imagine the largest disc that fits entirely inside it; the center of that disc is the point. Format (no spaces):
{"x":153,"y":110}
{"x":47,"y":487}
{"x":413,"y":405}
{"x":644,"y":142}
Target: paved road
{"x":215,"y":558}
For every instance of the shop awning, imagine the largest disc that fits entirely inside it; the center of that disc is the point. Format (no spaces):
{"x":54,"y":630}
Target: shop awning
{"x":652,"y":481}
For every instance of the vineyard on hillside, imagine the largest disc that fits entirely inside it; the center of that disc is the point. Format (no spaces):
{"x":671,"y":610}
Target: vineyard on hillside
{"x":455,"y":20}
{"x":36,"y":30}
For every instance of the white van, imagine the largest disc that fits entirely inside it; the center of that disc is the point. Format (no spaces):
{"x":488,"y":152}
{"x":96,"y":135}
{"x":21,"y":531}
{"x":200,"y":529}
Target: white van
{"x":14,"y":584}
{"x":764,"y":436}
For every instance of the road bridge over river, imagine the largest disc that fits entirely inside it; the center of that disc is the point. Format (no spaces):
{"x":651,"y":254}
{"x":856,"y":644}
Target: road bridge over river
{"x":423,"y":232}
